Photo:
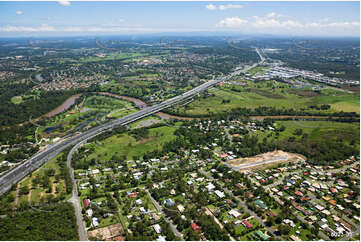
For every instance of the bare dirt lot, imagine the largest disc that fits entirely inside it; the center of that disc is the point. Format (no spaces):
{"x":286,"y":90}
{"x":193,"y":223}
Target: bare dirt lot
{"x":106,"y":232}
{"x":147,"y":123}
{"x":266,"y":159}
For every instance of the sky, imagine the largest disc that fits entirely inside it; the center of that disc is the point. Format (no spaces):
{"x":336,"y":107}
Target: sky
{"x":74,"y":18}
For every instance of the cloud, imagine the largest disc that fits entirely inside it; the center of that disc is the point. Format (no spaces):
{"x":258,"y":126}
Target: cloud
{"x":19,"y":12}
{"x":233,"y":22}
{"x":64,"y":3}
{"x":73,"y":29}
{"x":270,"y":15}
{"x":229,"y":6}
{"x":211,"y":7}
{"x":41,"y":28}
{"x":223,"y":7}
{"x":274,"y":23}
{"x":270,"y":23}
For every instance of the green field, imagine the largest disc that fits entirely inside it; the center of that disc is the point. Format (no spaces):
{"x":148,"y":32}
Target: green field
{"x":316,"y":131}
{"x":105,"y":103}
{"x":127,"y":145}
{"x":321,"y":129}
{"x":271,"y":94}
{"x":258,"y":70}
{"x":17,"y":100}
{"x":112,"y":56}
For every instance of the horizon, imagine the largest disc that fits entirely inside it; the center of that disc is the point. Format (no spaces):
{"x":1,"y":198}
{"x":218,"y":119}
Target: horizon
{"x":204,"y":34}
{"x":65,"y":18}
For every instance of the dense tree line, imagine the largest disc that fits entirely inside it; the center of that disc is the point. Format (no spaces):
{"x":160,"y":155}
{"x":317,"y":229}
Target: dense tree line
{"x":265,"y":111}
{"x":57,"y":224}
{"x":17,"y":134}
{"x":319,"y":151}
{"x":64,"y":171}
{"x":11,"y":114}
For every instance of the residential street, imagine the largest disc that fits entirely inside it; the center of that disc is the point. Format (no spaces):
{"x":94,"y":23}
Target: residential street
{"x":75,"y":198}
{"x":159,"y":208}
{"x":228,"y":135}
{"x":240,"y":202}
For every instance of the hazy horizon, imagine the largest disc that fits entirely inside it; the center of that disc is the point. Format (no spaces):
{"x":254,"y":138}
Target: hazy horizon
{"x":65,"y":18}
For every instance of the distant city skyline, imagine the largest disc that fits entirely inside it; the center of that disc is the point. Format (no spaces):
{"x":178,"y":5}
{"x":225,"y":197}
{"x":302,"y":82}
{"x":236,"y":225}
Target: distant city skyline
{"x":65,"y":18}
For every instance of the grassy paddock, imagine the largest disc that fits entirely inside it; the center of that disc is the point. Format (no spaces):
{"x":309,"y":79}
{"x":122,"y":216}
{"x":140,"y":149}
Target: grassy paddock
{"x":321,"y":129}
{"x":127,"y":145}
{"x":17,"y":100}
{"x":271,"y":94}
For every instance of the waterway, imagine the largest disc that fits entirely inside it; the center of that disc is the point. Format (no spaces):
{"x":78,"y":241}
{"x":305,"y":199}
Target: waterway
{"x":141,"y":104}
{"x":64,"y":106}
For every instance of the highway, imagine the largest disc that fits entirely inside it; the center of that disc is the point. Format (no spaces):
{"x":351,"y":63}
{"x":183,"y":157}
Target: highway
{"x":49,"y":152}
{"x":244,"y":70}
{"x":15,"y":175}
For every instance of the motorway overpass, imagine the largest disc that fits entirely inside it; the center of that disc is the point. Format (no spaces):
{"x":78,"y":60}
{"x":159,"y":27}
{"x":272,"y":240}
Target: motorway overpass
{"x":18,"y":173}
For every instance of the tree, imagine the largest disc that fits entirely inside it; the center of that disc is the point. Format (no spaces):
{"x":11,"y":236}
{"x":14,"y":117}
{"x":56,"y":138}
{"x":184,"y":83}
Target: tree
{"x":24,"y":190}
{"x":50,"y":172}
{"x":284,"y":229}
{"x":193,"y":236}
{"x":298,"y":132}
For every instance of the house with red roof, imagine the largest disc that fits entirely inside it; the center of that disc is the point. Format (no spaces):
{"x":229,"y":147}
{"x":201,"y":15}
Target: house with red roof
{"x":132,"y":195}
{"x":298,"y":193}
{"x":86,"y":202}
{"x":250,"y":195}
{"x":195,"y":227}
{"x":246,"y":224}
{"x":333,"y":190}
{"x":223,"y":155}
{"x":332,"y":202}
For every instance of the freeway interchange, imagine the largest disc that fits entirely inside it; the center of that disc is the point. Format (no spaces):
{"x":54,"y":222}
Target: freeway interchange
{"x":15,"y":175}
{"x":52,"y":150}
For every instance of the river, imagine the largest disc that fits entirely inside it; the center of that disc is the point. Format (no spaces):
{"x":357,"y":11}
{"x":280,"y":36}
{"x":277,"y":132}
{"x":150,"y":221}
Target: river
{"x":141,"y":104}
{"x":64,"y":106}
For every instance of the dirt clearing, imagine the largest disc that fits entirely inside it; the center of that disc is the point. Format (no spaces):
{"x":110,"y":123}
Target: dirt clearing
{"x":266,"y":159}
{"x":106,"y":232}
